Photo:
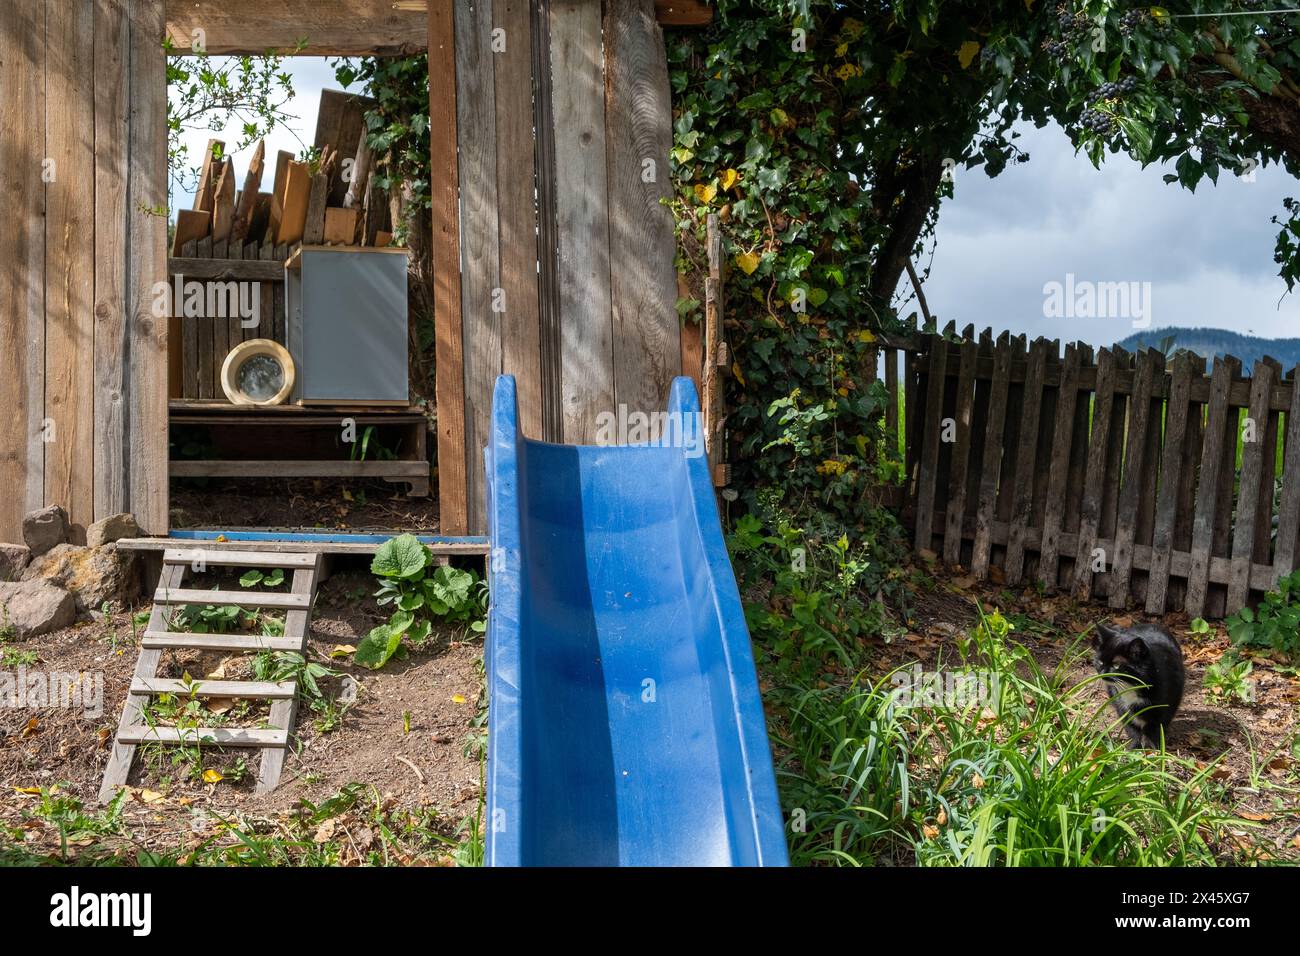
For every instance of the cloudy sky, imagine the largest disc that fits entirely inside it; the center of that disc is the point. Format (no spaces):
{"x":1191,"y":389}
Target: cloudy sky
{"x":1208,"y":255}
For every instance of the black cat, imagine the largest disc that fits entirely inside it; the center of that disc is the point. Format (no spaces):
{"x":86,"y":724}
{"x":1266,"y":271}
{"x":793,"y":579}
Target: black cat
{"x":1144,"y":654}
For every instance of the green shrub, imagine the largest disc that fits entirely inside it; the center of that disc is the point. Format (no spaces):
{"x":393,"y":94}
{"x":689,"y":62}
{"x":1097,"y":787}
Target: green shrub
{"x":813,"y":599}
{"x":1275,"y":623}
{"x":423,"y":592}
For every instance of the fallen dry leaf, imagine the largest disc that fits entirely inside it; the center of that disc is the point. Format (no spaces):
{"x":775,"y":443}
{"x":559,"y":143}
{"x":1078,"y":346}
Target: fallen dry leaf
{"x":343,"y":650}
{"x":212,"y":776}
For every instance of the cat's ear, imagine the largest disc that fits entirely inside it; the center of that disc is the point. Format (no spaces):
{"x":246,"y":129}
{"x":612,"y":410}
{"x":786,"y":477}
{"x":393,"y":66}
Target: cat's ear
{"x":1137,"y":649}
{"x":1103,"y":634}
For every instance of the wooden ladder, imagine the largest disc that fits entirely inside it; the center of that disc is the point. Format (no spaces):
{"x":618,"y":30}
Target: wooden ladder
{"x":274,"y":740}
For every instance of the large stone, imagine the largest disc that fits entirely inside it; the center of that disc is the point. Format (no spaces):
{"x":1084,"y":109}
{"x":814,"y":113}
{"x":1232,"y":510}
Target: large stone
{"x":33,"y":608}
{"x":45,"y":529}
{"x":13,"y":558}
{"x":110,"y":529}
{"x":93,"y":575}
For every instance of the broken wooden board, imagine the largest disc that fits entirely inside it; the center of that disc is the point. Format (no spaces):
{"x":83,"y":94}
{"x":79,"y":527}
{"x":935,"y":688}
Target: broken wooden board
{"x":341,"y":226}
{"x":289,"y":208}
{"x":204,"y":194}
{"x":340,"y":126}
{"x":249,"y":197}
{"x":191,"y":225}
{"x":223,"y":203}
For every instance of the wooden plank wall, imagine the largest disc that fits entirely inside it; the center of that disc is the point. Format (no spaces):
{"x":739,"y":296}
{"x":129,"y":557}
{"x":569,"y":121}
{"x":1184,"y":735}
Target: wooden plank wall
{"x":1117,"y":479}
{"x":563,"y":117}
{"x":83,"y":176}
{"x":205,"y":342}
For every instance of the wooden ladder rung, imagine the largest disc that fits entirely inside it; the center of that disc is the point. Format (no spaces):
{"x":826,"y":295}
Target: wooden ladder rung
{"x":219,"y":642}
{"x":145,"y":683}
{"x":262,"y":690}
{"x":249,"y":598}
{"x":219,"y":736}
{"x":240,"y":559}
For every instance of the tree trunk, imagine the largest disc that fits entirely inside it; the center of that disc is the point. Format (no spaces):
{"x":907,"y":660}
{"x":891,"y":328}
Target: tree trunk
{"x":419,"y":240}
{"x":918,"y":184}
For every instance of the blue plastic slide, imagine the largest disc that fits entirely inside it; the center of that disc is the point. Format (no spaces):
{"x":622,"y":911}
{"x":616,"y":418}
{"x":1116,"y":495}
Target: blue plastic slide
{"x":625,"y":726}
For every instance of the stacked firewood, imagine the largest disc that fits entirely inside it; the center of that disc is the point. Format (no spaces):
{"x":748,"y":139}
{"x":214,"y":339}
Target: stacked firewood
{"x":319,"y":199}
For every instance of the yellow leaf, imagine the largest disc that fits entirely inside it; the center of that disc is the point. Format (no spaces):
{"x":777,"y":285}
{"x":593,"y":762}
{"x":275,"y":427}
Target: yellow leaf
{"x":735,"y":370}
{"x":966,"y":55}
{"x":748,"y":262}
{"x":343,"y":650}
{"x":705,"y":192}
{"x":458,"y":698}
{"x":841,"y":49}
{"x":866,"y":336}
{"x":27,"y":789}
{"x":151,"y":796}
{"x":1159,"y":13}
{"x":347,"y":495}
{"x":212,"y":776}
{"x":729,"y":178}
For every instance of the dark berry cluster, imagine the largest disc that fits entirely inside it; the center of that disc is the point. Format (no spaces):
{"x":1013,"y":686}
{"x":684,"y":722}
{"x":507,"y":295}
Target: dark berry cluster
{"x":1103,"y":124}
{"x":1132,"y":20}
{"x":1071,"y":23}
{"x":1055,"y":48}
{"x":1113,"y":91}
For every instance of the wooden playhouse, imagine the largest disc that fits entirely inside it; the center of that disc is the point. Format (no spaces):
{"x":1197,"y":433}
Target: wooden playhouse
{"x":552,"y":251}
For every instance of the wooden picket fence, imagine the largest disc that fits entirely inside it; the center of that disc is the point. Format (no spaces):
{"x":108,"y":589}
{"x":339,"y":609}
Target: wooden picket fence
{"x":1111,"y":477}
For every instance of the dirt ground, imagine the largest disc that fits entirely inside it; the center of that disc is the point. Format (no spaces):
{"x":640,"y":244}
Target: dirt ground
{"x":299,"y":503}
{"x":1257,"y":745}
{"x":410,"y":733}
{"x":413,"y":729}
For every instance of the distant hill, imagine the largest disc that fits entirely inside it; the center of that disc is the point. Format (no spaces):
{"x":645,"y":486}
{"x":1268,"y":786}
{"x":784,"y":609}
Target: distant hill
{"x":1212,"y":342}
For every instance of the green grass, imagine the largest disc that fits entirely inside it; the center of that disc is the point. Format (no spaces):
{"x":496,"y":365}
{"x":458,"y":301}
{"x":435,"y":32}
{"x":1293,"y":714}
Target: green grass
{"x":1043,"y":781}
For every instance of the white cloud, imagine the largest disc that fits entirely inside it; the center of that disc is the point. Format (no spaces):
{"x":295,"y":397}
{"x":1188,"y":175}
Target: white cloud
{"x":1208,"y":255}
